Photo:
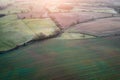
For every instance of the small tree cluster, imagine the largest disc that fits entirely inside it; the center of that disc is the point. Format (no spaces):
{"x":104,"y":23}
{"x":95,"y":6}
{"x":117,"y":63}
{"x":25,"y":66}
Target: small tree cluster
{"x":39,"y":36}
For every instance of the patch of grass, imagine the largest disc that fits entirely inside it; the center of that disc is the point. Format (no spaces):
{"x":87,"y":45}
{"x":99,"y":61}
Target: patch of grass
{"x":41,"y":27}
{"x":91,"y":59}
{"x":74,"y":36}
{"x":7,"y":19}
{"x":13,"y":10}
{"x":14,"y":32}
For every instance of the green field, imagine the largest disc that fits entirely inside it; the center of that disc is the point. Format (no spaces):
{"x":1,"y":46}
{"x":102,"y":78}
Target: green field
{"x":92,"y":59}
{"x":46,"y":40}
{"x":15,"y":32}
{"x":69,"y":36}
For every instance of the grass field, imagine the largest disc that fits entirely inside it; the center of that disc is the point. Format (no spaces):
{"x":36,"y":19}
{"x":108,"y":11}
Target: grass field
{"x":69,"y":36}
{"x":92,"y":59}
{"x":86,"y":47}
{"x":14,"y":32}
{"x":45,"y":26}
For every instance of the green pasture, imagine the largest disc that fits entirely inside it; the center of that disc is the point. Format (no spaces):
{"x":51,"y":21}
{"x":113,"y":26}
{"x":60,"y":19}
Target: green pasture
{"x":14,"y":32}
{"x":91,"y":59}
{"x":73,"y":55}
{"x":41,"y":26}
{"x":69,"y":36}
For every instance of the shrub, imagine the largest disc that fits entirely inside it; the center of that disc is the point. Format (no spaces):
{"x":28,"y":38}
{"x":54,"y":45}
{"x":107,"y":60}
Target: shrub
{"x":2,"y":15}
{"x":39,"y":36}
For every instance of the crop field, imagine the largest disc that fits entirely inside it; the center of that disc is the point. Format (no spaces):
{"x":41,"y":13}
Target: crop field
{"x":59,"y":39}
{"x":110,"y":26}
{"x":65,"y":20}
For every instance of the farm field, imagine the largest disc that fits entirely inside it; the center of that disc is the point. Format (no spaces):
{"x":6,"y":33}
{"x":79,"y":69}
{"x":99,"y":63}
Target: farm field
{"x":16,"y":32}
{"x":66,"y":20}
{"x":110,"y":27}
{"x":91,"y":59}
{"x":59,"y":39}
